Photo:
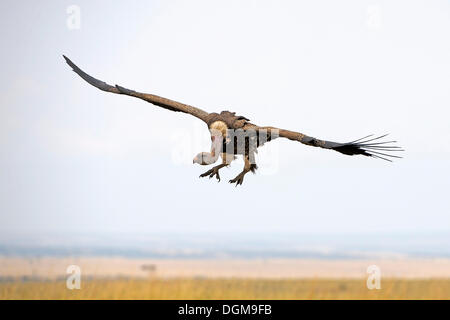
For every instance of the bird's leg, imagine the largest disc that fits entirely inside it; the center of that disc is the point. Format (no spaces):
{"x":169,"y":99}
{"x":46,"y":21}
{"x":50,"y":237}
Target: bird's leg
{"x":214,"y":172}
{"x":248,"y":166}
{"x":226,"y":160}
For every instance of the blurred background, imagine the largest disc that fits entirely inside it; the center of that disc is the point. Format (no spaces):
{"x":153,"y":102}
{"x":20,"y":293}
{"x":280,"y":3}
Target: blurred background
{"x":91,"y":175}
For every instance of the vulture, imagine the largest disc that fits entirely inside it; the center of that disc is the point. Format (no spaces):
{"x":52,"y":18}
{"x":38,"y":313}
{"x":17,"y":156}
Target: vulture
{"x":233,"y":135}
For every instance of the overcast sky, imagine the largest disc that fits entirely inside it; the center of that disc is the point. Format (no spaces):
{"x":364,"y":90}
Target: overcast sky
{"x":77,"y":160}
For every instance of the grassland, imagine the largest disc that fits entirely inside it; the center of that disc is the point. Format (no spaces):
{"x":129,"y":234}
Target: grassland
{"x":229,"y":289}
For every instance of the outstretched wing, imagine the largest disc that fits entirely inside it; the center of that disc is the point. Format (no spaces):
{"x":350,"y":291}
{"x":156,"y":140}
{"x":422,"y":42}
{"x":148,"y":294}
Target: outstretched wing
{"x":156,"y":100}
{"x":368,"y":146}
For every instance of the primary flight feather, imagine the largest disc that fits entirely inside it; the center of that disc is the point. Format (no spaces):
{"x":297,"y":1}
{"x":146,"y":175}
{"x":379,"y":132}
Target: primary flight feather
{"x":233,"y":135}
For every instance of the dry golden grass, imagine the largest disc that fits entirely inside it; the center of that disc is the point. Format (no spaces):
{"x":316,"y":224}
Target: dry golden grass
{"x":229,"y":289}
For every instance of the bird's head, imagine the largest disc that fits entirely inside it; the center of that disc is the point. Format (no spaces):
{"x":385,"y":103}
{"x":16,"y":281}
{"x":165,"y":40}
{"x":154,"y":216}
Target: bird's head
{"x":202,"y":158}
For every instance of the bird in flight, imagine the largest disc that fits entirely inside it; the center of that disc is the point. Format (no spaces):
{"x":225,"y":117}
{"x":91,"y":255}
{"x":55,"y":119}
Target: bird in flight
{"x":233,"y":135}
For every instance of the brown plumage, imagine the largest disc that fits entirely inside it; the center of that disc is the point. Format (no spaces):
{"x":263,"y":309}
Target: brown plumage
{"x":235,"y":135}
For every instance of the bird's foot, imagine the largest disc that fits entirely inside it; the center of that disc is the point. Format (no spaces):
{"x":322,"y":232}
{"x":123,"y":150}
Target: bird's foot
{"x":211,"y":173}
{"x":239,"y":179}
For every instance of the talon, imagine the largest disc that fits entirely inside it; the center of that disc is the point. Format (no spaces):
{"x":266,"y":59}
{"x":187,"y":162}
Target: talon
{"x":206,"y":173}
{"x":238,"y":180}
{"x":216,"y":174}
{"x":211,"y":173}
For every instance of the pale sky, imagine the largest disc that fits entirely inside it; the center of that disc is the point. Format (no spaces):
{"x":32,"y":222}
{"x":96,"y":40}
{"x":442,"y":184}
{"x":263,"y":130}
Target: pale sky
{"x":78,"y":160}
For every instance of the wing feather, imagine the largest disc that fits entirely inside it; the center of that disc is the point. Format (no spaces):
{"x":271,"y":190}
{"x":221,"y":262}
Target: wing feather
{"x":372,"y":147}
{"x":151,"y":98}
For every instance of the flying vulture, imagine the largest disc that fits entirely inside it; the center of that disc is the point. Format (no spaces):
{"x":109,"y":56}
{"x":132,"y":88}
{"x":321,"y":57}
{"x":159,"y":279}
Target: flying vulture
{"x":233,"y":135}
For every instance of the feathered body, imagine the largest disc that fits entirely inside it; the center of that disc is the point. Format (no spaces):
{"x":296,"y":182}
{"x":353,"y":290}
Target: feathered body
{"x":239,"y":135}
